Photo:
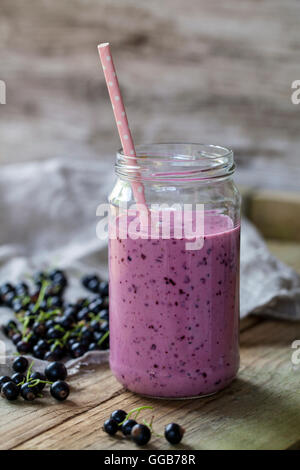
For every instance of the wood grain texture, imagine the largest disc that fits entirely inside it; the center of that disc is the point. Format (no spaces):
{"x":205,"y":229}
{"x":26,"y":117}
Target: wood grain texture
{"x":260,"y":410}
{"x":289,"y":252}
{"x":276,"y":214}
{"x":21,"y":421}
{"x":215,"y":72}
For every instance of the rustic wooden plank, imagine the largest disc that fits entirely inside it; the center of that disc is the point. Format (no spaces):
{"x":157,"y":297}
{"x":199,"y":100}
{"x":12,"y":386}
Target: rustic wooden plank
{"x":259,"y":411}
{"x":100,"y":388}
{"x":276,"y":214}
{"x":47,"y":414}
{"x":21,"y":420}
{"x":288,"y":252}
{"x":249,"y":322}
{"x":201,"y":73}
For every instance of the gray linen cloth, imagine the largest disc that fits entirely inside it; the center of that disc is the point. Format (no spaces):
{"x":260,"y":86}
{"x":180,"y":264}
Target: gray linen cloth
{"x":48,"y":218}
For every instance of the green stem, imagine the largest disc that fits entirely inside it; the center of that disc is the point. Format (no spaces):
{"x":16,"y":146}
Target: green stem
{"x":35,"y":382}
{"x":101,"y":340}
{"x":25,"y":322}
{"x":57,"y":342}
{"x":150,"y":426}
{"x":26,"y":300}
{"x":29,"y":371}
{"x":43,"y":316}
{"x":28,"y":336}
{"x":41,"y":297}
{"x":59,"y":328}
{"x":137,"y":411}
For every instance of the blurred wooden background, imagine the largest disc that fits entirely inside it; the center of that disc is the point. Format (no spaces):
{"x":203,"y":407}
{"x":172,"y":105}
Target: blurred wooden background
{"x":195,"y":70}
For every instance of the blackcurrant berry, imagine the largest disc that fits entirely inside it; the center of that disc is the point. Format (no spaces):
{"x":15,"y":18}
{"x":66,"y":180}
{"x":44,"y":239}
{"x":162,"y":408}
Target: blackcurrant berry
{"x":23,"y":347}
{"x":21,"y":289}
{"x":77,"y":349}
{"x":104,"y":315}
{"x":94,"y":284}
{"x":70,"y":311}
{"x":17,"y":305}
{"x":38,"y":352}
{"x":52,"y":356}
{"x":10,"y":328}
{"x":28,"y":392}
{"x":33,"y":339}
{"x":6,"y":288}
{"x":66,"y":321}
{"x":94,"y":347}
{"x":174,"y":433}
{"x":87,"y":279}
{"x":118,"y":415}
{"x":54,"y":333}
{"x":82,"y":302}
{"x":83,"y":314}
{"x":105,"y":302}
{"x":3,"y":380}
{"x":50,"y":324}
{"x":20,"y":364}
{"x":140,"y":434}
{"x":60,"y":390}
{"x":18,"y":378}
{"x":8,"y":299}
{"x":38,"y":376}
{"x":103,"y":288}
{"x":127,"y":426}
{"x":54,"y":302}
{"x":16,"y":338}
{"x":58,"y":276}
{"x":110,"y":426}
{"x":42,"y":343}
{"x":95,"y":325}
{"x":96,"y":305}
{"x":104,"y":326}
{"x":39,"y":328}
{"x":10,"y":391}
{"x":86,"y":334}
{"x":56,"y":371}
{"x":97,"y":336}
{"x":71,"y":341}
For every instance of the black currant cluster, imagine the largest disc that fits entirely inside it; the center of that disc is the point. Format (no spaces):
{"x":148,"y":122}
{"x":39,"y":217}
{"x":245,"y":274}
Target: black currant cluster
{"x":50,"y":328}
{"x":139,"y":433}
{"x":29,"y":385}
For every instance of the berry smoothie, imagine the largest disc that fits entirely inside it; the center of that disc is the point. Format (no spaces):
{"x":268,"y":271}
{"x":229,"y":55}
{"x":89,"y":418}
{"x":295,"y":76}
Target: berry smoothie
{"x":174,"y":313}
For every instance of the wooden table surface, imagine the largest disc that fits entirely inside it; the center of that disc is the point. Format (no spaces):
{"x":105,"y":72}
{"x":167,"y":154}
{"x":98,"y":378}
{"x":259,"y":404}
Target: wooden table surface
{"x":215,"y":72}
{"x":260,"y":410}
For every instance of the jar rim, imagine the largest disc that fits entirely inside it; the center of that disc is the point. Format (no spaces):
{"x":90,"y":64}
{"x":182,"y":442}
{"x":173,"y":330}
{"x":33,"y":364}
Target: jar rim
{"x":175,"y":161}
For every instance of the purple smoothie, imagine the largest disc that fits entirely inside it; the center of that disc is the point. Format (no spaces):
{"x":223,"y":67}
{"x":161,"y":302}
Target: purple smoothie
{"x":174,"y":313}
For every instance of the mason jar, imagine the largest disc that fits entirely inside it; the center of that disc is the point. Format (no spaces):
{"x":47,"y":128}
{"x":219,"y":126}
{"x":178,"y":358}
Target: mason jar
{"x":174,"y":300}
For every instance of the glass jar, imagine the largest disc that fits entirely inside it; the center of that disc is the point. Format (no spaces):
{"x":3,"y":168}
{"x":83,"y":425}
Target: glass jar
{"x":174,"y":312}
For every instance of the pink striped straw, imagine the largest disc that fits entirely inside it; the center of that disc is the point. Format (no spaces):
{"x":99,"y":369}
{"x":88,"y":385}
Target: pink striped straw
{"x":120,"y":114}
